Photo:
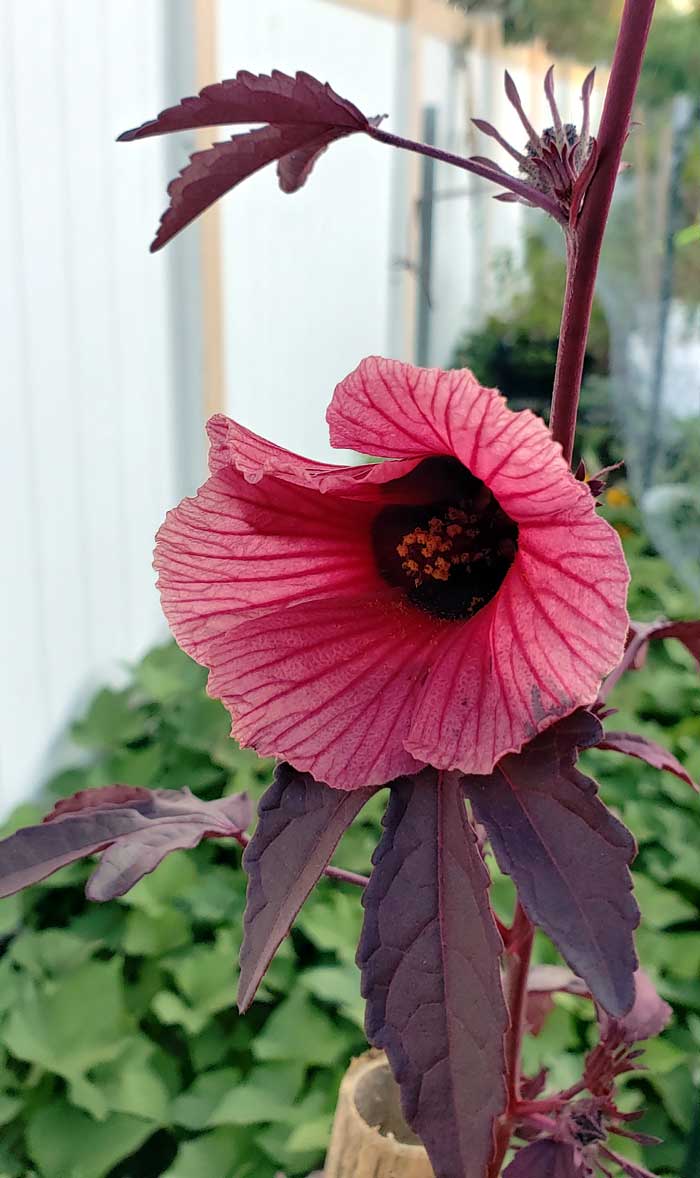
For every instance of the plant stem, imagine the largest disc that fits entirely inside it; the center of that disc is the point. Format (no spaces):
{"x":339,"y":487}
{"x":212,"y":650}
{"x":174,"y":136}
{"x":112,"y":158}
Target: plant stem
{"x":476,"y":167}
{"x":584,"y":241}
{"x":517,"y":970}
{"x":337,"y":873}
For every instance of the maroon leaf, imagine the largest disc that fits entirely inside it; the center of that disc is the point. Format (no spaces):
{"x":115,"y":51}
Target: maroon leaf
{"x":257,"y":98}
{"x":647,"y":1018}
{"x":304,"y":117}
{"x":567,"y":854}
{"x":633,"y":745}
{"x":293,"y":169}
{"x":218,"y":169}
{"x":301,"y":823}
{"x":686,"y":632}
{"x":429,"y":958}
{"x":545,"y":1159}
{"x":133,"y":828}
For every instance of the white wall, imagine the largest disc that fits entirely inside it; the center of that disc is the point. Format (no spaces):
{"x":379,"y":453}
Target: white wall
{"x":306,"y":277}
{"x":87,"y":435}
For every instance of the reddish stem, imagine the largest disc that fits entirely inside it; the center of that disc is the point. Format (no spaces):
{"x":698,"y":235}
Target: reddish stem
{"x":522,"y":936}
{"x":584,"y":241}
{"x":337,"y":873}
{"x":487,"y":171}
{"x":517,"y":970}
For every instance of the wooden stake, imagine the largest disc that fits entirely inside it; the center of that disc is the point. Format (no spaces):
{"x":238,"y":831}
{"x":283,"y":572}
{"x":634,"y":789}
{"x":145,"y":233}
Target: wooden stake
{"x":370,"y":1138}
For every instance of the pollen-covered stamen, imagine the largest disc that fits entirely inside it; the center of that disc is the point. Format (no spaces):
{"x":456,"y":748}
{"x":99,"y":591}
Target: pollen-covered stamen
{"x":450,"y":555}
{"x":447,"y":542}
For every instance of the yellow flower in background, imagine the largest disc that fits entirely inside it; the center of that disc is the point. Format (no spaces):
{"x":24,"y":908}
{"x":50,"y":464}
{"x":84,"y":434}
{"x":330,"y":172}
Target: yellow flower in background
{"x":618,"y":497}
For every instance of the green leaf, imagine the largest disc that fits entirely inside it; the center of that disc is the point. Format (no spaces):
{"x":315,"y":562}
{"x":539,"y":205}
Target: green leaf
{"x":678,"y":1094}
{"x":266,"y":1095}
{"x":111,"y":720}
{"x":200,"y":722}
{"x":10,"y":914}
{"x":165,"y":887}
{"x":193,"y":1109}
{"x":10,"y":1106}
{"x":167,"y":672}
{"x":73,"y":1024}
{"x":225,"y":1153}
{"x":218,"y":894}
{"x":687,"y":236}
{"x":660,"y":907}
{"x":50,"y":952}
{"x":312,"y":1136}
{"x":150,"y":935}
{"x":274,"y":1140}
{"x":172,"y":1011}
{"x":211,"y":1046}
{"x":332,"y":920}
{"x":339,"y":984}
{"x":66,"y":1143}
{"x":661,"y":1056}
{"x":297,"y":1030}
{"x":133,"y":1083}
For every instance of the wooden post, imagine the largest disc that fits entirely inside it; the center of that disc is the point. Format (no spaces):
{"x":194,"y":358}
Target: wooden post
{"x":370,"y":1138}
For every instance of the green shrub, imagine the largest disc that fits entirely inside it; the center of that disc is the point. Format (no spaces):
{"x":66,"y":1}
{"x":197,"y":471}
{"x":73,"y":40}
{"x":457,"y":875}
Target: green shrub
{"x":121,"y":1053}
{"x":120,"y":1049}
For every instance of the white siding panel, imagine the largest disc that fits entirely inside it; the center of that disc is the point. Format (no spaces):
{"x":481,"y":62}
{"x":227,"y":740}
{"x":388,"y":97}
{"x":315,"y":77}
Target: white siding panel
{"x":87,"y":431}
{"x":306,"y":277}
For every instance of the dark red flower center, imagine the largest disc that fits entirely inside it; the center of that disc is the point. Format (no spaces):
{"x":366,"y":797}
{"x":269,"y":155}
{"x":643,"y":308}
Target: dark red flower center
{"x":447,"y":542}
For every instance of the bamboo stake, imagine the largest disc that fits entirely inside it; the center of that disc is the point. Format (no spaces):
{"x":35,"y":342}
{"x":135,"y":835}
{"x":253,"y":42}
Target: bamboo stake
{"x":370,"y":1138}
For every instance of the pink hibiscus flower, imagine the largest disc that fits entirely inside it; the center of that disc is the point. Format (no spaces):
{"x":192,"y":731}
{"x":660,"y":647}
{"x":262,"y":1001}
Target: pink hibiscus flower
{"x":440,"y":608}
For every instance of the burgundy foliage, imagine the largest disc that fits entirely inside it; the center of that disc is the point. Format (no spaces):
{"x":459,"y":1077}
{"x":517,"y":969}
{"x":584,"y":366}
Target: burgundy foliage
{"x":686,"y":632}
{"x":134,"y":829}
{"x":300,"y":824}
{"x":429,"y":959}
{"x":545,"y":1159}
{"x":567,"y":854}
{"x":634,"y":745}
{"x":303,"y":117}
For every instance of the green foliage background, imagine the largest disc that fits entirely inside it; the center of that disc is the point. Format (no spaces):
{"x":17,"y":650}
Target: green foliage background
{"x":121,"y":1053}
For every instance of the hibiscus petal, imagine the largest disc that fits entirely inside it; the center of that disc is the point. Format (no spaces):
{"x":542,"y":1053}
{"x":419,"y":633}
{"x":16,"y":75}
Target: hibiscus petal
{"x":329,"y":685}
{"x":396,"y":410}
{"x":234,"y":445}
{"x":236,"y":548}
